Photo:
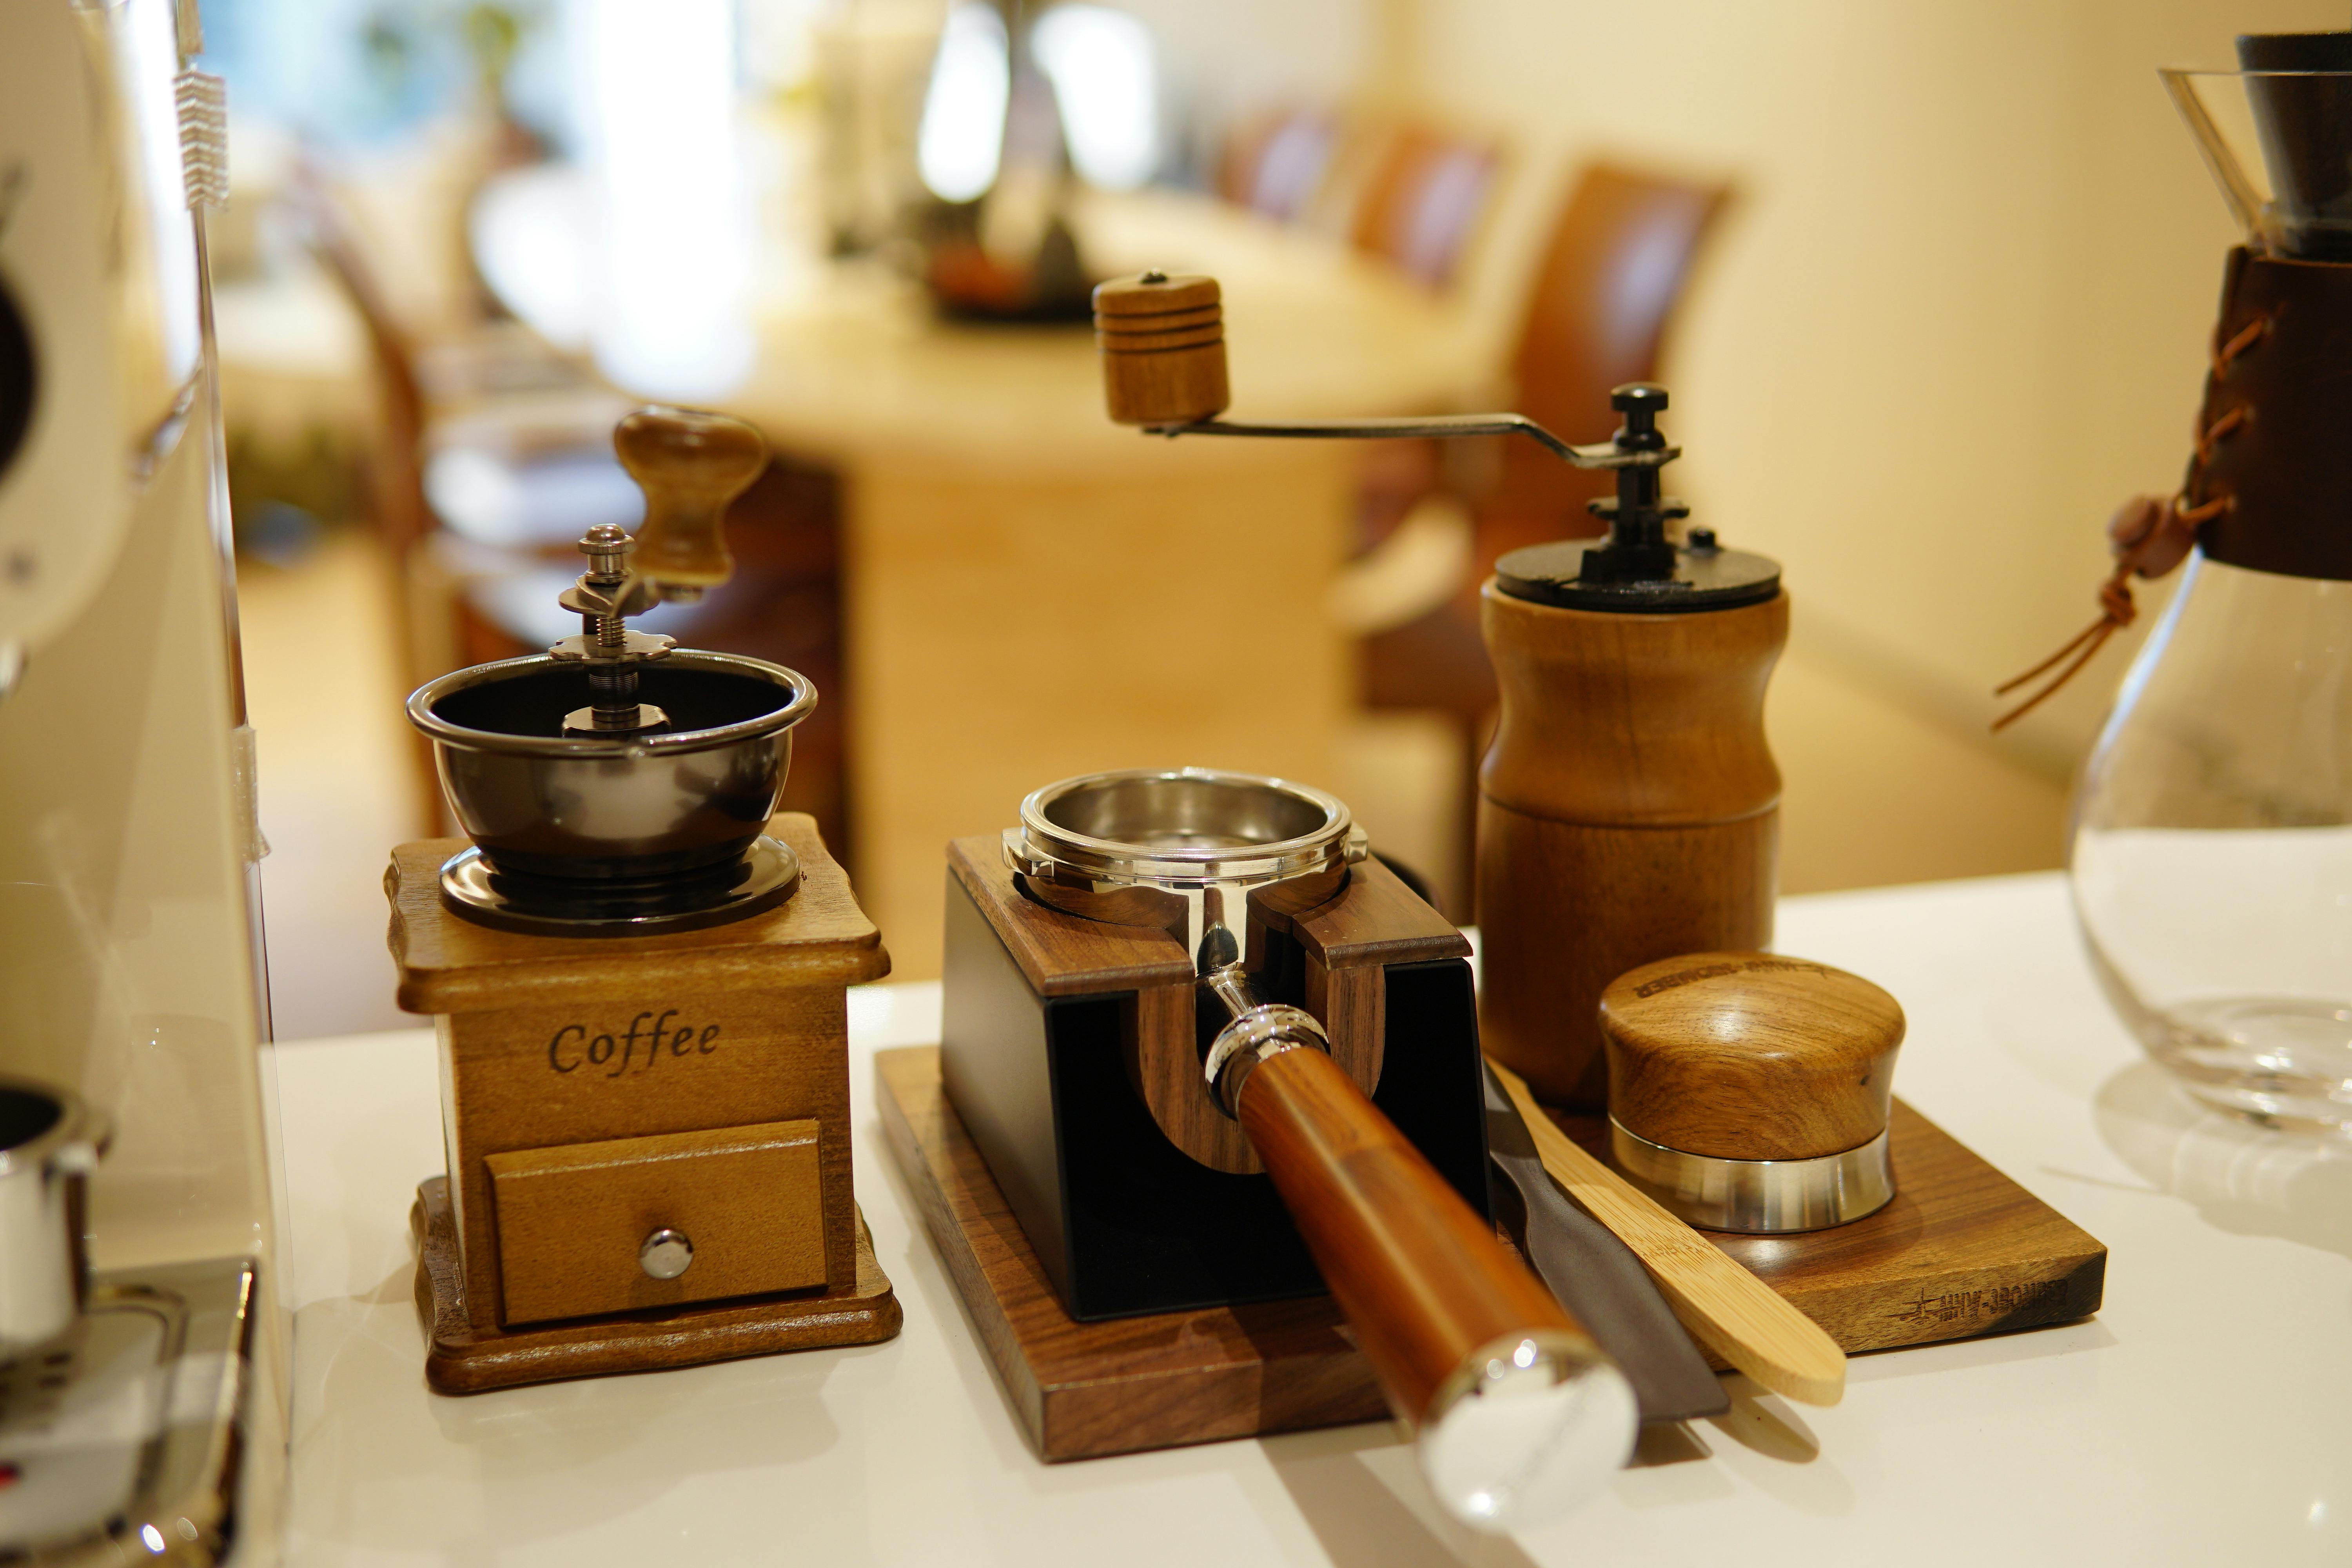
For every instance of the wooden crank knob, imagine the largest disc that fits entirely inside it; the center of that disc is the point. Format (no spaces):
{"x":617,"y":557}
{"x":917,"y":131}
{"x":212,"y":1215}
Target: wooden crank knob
{"x":1748,"y":1091}
{"x":1162,"y":337}
{"x":690,"y":464}
{"x":1517,"y":1414}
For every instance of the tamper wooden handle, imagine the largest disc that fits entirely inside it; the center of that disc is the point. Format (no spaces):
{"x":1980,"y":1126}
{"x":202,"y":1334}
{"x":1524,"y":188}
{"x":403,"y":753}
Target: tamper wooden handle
{"x":690,"y":464}
{"x":1749,"y":1055}
{"x":1516,"y":1413}
{"x":1162,"y":337}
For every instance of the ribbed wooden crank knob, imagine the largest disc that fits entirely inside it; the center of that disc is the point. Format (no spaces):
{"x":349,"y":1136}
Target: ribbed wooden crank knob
{"x":690,"y":464}
{"x":1162,"y":337}
{"x":1754,"y":1086}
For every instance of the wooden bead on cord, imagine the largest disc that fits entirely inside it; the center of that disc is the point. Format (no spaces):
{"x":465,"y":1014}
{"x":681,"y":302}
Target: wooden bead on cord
{"x":1162,"y":337}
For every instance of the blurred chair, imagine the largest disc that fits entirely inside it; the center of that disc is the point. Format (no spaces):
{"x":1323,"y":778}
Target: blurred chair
{"x":1274,"y":164}
{"x":1612,"y":277}
{"x":496,"y":455}
{"x":1424,"y":202}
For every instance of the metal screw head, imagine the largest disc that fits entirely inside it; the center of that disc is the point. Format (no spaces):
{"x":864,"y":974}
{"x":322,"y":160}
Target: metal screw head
{"x":664,"y":1254}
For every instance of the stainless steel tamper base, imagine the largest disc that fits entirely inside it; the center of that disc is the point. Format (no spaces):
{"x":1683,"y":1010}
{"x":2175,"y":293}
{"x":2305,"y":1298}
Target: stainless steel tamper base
{"x":1758,"y":1197}
{"x":470,"y":888}
{"x":1526,"y":1429}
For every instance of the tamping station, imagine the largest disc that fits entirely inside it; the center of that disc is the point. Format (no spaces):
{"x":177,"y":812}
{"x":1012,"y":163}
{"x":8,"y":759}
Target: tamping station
{"x":1212,"y":1054}
{"x":639,"y":979}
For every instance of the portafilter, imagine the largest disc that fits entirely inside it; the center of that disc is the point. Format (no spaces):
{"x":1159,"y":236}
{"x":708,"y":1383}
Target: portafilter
{"x":1517,"y":1413}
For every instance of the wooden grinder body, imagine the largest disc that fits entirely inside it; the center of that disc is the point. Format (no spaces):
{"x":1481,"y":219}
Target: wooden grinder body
{"x":1628,"y":810}
{"x":1070,"y":1049}
{"x":597,"y":1089}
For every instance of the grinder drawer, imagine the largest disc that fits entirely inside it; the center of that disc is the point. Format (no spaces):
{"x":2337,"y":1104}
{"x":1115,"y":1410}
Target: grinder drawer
{"x":635,"y":1223}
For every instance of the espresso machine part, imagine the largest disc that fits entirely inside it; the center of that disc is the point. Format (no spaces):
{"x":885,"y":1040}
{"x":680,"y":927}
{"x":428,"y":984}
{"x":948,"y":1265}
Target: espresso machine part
{"x":142,"y":1403}
{"x":1629,"y":806}
{"x":49,"y":1143}
{"x":1518,"y":1414}
{"x":1750,"y":1091}
{"x":648,"y":1141}
{"x":614,"y":786}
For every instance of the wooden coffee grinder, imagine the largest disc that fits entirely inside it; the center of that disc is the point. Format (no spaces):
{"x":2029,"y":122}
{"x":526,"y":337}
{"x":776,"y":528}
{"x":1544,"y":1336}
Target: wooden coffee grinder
{"x":1628,"y":808}
{"x":637,"y":977}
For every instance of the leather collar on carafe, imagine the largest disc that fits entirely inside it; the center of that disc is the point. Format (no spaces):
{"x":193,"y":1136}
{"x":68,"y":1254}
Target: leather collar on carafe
{"x":2273,"y":459}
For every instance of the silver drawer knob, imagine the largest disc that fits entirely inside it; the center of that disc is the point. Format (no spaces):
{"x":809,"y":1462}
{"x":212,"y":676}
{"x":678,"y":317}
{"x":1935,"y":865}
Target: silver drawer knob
{"x":664,"y":1254}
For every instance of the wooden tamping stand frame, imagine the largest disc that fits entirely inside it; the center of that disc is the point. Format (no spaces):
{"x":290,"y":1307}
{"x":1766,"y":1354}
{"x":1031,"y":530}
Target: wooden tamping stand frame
{"x":640,"y":994}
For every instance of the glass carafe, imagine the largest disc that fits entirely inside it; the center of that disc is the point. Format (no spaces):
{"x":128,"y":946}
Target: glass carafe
{"x":2212,"y":835}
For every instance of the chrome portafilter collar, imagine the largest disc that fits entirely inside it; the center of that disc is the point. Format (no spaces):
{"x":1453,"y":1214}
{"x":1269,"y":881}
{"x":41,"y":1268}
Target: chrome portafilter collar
{"x":1190,"y":851}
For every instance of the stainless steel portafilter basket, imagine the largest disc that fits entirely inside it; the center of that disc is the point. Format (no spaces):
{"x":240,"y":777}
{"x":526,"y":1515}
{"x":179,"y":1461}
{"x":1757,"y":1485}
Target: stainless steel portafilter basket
{"x":615,"y":835}
{"x":50,"y":1142}
{"x":1531,"y":1416}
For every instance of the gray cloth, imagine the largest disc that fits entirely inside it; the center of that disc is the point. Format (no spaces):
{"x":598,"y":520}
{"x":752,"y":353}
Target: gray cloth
{"x":1598,"y":1279}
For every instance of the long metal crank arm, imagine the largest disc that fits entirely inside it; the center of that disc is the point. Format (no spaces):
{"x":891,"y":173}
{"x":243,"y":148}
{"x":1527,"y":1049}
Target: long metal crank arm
{"x":1603,"y":455}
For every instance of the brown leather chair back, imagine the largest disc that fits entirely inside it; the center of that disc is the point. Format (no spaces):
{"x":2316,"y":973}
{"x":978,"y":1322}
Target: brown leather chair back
{"x":1607,"y":292}
{"x":1426,"y":201}
{"x":1276,"y":163}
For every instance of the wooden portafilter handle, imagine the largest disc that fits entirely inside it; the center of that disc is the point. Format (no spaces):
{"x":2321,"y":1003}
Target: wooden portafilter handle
{"x":1517,"y":1414}
{"x":1162,"y":337}
{"x":690,"y":464}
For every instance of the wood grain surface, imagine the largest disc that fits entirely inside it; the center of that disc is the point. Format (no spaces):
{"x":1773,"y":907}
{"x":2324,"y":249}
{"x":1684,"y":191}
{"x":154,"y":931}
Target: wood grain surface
{"x":1961,"y":1252}
{"x":548,"y":1043}
{"x":1628,"y":810}
{"x":1572,"y":908}
{"x":461,"y":1358}
{"x":1083,"y":1390}
{"x":818,"y":936}
{"x":1732,"y":1314}
{"x":571,"y":1218}
{"x":1750,"y":1055}
{"x":1164,"y":349}
{"x":1374,"y":920}
{"x":690,"y":464}
{"x":1422,"y":1278}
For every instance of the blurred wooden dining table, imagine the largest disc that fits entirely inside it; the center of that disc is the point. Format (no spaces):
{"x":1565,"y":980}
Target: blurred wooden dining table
{"x":1031,"y":592}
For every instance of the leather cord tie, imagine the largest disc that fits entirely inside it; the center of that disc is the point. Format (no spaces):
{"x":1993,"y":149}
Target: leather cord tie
{"x":2151,"y":535}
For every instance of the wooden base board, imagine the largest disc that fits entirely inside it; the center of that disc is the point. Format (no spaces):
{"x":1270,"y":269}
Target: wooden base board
{"x":1962,"y":1251}
{"x":1083,"y":1390}
{"x":460,"y":1360}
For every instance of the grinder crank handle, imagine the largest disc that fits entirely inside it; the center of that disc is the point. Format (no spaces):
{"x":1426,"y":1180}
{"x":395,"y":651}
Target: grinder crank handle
{"x":690,"y":464}
{"x":1518,"y":1414}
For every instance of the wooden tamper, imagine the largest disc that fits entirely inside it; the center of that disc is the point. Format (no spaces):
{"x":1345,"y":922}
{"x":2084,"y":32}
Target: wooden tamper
{"x":1750,"y":1092}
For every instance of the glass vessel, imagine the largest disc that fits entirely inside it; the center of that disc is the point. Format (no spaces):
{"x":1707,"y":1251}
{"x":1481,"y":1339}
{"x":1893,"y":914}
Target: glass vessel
{"x":2212,"y":835}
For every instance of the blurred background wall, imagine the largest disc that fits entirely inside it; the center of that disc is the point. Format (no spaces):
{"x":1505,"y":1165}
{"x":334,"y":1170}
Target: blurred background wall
{"x":1954,"y":312}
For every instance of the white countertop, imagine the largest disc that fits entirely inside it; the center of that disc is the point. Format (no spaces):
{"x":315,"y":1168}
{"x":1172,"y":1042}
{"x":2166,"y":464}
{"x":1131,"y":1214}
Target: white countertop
{"x":2205,"y":1416}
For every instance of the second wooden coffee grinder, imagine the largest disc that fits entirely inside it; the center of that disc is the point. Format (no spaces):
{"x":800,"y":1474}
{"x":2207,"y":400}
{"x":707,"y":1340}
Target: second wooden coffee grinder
{"x":1628,"y":808}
